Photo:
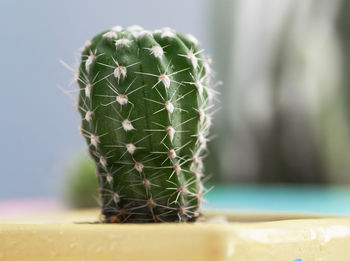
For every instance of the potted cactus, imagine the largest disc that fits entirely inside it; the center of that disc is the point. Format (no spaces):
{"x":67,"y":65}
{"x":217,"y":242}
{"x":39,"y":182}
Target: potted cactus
{"x":145,"y":101}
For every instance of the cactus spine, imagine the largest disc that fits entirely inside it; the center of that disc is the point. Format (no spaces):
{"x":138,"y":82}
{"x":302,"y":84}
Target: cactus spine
{"x":144,"y":100}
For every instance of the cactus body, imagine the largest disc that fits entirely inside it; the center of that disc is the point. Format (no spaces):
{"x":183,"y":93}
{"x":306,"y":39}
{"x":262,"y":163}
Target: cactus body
{"x":144,"y":100}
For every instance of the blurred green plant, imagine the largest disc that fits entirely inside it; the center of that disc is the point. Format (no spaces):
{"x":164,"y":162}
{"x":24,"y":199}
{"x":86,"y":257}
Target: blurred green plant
{"x":286,"y":107}
{"x":80,"y":186}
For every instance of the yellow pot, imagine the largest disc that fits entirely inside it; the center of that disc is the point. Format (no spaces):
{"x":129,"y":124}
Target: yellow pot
{"x":70,"y":236}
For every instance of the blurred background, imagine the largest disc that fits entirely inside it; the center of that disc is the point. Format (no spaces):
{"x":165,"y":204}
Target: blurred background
{"x":285,"y":101}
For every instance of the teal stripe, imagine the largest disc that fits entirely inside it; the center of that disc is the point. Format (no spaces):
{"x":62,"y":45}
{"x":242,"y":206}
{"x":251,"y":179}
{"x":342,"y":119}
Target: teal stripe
{"x":314,"y":199}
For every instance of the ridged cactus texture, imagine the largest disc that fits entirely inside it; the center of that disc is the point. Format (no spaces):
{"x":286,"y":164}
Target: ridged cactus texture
{"x":144,"y":100}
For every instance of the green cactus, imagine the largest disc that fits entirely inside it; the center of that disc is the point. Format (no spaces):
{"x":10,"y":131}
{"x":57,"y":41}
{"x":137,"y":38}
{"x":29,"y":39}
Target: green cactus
{"x":144,"y":101}
{"x":80,"y":187}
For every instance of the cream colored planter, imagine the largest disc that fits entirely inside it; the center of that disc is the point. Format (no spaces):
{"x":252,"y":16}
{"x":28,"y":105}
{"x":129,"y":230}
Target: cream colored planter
{"x":298,"y":239}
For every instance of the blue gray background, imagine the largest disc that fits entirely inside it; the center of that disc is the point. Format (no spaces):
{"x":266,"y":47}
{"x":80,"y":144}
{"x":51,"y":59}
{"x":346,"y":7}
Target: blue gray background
{"x":285,"y":103}
{"x":38,"y":128}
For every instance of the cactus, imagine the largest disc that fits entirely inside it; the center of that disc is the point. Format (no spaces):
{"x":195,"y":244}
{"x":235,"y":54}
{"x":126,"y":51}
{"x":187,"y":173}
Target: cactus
{"x":80,"y":184}
{"x":144,"y":100}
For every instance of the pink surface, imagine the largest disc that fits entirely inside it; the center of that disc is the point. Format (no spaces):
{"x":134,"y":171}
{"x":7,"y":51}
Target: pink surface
{"x":29,"y":206}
